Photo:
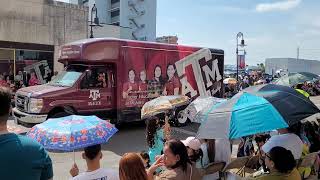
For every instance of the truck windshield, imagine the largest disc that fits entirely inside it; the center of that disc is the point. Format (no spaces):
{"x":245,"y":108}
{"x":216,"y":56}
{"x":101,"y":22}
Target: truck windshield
{"x":66,"y":78}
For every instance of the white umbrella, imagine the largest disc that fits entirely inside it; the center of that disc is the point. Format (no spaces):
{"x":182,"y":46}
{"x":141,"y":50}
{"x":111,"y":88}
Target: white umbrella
{"x":200,"y":106}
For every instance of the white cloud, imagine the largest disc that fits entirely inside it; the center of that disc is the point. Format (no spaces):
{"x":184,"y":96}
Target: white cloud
{"x":278,"y":6}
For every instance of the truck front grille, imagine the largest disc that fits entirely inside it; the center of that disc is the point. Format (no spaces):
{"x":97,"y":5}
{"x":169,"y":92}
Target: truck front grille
{"x":22,"y":103}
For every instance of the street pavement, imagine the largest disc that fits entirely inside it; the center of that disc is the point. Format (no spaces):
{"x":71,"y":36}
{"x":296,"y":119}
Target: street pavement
{"x":130,"y":138}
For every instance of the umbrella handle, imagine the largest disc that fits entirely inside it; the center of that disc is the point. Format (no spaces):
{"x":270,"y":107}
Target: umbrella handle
{"x":74,"y":157}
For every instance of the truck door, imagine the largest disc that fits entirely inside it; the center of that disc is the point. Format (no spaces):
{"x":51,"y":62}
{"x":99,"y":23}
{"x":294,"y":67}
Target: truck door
{"x":96,"y":91}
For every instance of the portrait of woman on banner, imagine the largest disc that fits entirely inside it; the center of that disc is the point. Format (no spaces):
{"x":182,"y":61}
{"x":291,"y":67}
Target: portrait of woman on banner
{"x":172,"y":85}
{"x":130,"y":89}
{"x":155,"y":85}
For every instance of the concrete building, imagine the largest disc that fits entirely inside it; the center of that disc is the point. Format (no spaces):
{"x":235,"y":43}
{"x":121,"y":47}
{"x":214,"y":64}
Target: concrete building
{"x":168,"y":39}
{"x":31,"y":32}
{"x":291,"y":65}
{"x":135,"y":19}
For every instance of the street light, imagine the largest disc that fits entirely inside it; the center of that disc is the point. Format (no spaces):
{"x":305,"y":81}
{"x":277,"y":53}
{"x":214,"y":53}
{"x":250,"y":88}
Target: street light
{"x":242,"y":44}
{"x":95,"y":21}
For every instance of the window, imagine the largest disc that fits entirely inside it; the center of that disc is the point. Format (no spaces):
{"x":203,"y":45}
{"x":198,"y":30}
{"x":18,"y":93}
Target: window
{"x":95,"y":78}
{"x":114,"y":1}
{"x":115,"y":13}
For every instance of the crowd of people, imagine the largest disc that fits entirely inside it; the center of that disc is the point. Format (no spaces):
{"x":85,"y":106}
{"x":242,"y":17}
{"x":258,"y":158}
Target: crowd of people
{"x":166,"y":158}
{"x":21,"y":80}
{"x":312,"y":88}
{"x":17,"y":82}
{"x":246,"y":80}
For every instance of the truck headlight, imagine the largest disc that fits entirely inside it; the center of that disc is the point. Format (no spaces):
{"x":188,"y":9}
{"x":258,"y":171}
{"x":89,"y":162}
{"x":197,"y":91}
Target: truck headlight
{"x":35,"y":105}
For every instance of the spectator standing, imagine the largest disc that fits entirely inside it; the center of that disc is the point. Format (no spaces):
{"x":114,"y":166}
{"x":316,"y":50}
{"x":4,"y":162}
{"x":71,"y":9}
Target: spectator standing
{"x":215,"y":150}
{"x":157,"y":133}
{"x":93,"y":155}
{"x":3,"y":82}
{"x":21,"y":157}
{"x":33,"y":81}
{"x":194,"y":150}
{"x":287,"y":140}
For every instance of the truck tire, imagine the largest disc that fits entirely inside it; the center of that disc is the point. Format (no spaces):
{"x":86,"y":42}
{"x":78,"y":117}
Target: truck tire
{"x":180,"y":118}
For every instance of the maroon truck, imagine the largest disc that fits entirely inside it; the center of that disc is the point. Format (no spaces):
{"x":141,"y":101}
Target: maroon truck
{"x":113,"y":78}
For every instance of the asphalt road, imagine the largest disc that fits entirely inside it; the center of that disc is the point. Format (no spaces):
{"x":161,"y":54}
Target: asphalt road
{"x":130,"y":138}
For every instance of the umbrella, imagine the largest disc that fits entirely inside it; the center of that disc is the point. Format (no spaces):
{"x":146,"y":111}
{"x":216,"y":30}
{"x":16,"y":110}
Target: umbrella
{"x":162,"y":104}
{"x":292,"y":79}
{"x":230,"y":81}
{"x":201,"y":104}
{"x":256,"y":109}
{"x":72,"y":132}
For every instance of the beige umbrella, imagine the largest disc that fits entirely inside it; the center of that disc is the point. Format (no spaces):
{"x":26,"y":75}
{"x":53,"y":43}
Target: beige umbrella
{"x":230,"y":81}
{"x":162,"y":104}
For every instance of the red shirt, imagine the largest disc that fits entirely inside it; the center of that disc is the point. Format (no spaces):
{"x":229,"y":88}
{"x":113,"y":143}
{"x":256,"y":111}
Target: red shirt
{"x":171,"y":85}
{"x":33,"y":82}
{"x":3,"y":83}
{"x":131,"y":99}
{"x":143,"y":86}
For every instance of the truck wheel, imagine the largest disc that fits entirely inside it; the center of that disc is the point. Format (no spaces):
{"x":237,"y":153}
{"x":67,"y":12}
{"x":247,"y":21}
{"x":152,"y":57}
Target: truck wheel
{"x":180,"y":118}
{"x":60,"y":114}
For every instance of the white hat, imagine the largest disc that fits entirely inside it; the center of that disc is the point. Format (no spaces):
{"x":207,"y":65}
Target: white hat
{"x":192,"y":143}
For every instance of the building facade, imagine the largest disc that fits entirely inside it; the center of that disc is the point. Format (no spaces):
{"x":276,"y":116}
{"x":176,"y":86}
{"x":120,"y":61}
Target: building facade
{"x":168,"y":39}
{"x":31,"y":32}
{"x":291,"y":65}
{"x":135,"y":19}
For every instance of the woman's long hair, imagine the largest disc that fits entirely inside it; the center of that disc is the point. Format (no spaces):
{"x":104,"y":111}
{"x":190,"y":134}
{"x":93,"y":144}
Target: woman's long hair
{"x":175,"y":73}
{"x":211,"y":148}
{"x":152,"y":126}
{"x":131,"y":167}
{"x":154,"y":75}
{"x":178,"y":148}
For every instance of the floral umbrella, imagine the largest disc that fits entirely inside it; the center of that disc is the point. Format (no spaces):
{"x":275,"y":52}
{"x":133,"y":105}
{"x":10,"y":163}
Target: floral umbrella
{"x":72,"y":132}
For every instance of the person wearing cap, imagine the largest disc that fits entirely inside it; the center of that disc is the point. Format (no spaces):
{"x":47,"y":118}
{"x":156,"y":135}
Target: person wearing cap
{"x":194,"y":150}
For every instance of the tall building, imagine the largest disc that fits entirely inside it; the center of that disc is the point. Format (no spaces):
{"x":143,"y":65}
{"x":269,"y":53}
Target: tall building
{"x":136,"y":16}
{"x":31,"y":32}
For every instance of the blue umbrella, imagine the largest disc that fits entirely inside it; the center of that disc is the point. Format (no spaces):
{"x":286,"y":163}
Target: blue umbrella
{"x":255,"y":110}
{"x":72,"y":132}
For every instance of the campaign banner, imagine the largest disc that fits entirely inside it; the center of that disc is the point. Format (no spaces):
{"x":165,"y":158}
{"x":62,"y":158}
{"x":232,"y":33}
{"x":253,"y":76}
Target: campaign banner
{"x":154,"y":73}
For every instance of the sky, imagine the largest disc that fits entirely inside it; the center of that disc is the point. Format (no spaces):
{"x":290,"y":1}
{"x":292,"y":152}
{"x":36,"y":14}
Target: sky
{"x":271,"y":28}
